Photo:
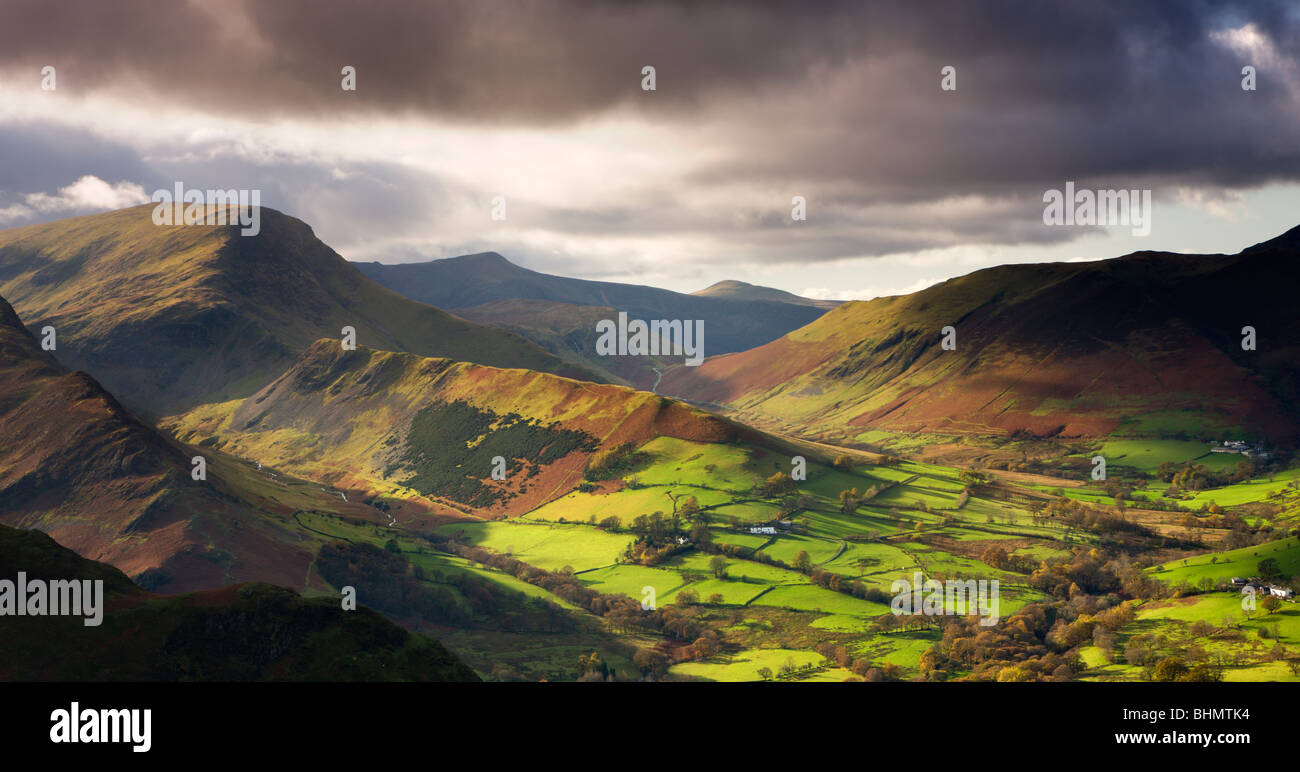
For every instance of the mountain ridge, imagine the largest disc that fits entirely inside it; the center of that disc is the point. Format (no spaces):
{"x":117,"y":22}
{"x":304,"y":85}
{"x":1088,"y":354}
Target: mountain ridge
{"x":172,"y":316}
{"x":467,"y":282}
{"x":1075,"y":349}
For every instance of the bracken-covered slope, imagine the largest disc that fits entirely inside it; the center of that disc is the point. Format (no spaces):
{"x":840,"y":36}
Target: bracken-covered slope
{"x":76,"y":464}
{"x":167,"y":317}
{"x":730,"y":324}
{"x":249,"y":632}
{"x":427,"y":428}
{"x":1147,"y":344}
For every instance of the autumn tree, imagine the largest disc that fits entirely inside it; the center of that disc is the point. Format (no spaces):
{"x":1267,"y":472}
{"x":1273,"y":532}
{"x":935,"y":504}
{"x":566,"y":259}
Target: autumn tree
{"x":802,"y":562}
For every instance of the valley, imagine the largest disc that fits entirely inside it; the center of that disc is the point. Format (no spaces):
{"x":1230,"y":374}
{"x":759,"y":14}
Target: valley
{"x":543,"y":523}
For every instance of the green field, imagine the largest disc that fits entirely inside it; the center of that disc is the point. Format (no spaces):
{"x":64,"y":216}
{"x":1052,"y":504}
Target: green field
{"x":551,"y":547}
{"x":1242,"y":562}
{"x":744,"y":665}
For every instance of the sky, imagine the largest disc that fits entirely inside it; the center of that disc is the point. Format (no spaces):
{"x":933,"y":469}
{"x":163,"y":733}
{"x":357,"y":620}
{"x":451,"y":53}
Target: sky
{"x":906,"y":182}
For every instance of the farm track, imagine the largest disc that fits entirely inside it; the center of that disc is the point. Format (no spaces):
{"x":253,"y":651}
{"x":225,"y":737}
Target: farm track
{"x":843,"y":546}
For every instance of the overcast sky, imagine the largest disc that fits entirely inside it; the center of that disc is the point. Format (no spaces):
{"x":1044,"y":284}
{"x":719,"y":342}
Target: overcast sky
{"x":542,"y":103}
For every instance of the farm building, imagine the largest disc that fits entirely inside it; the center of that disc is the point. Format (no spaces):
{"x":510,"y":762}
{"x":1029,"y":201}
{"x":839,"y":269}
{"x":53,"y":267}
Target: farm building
{"x":1239,"y":446}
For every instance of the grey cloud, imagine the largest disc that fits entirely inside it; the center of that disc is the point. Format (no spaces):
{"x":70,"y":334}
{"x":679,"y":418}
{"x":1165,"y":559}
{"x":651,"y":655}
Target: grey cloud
{"x":42,"y":159}
{"x":837,"y":101}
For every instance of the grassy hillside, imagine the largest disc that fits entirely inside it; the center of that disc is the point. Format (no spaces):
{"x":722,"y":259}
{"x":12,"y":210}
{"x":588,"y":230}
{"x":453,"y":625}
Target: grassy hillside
{"x":1144,"y":345}
{"x":167,"y":317}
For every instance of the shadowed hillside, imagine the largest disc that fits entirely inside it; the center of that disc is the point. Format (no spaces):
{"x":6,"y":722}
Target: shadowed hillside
{"x":76,"y":464}
{"x":248,"y":632}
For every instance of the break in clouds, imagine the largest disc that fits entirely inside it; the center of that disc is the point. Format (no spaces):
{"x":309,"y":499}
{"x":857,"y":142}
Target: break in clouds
{"x":541,"y":103}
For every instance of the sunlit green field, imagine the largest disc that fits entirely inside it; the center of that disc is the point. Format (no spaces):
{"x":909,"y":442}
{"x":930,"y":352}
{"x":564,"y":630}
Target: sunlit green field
{"x":551,"y":547}
{"x":1242,"y":562}
{"x":744,"y":665}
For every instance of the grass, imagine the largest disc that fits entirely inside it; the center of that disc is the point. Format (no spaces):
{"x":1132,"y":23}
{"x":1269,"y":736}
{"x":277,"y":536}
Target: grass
{"x":1242,"y":562}
{"x":631,"y":580}
{"x":744,"y":666}
{"x":814,"y":598}
{"x":550,"y":547}
{"x":1147,"y":454}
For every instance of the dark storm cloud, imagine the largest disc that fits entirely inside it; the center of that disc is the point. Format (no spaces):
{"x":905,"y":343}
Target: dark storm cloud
{"x":836,"y":101}
{"x":1045,"y":89}
{"x":472,"y":59}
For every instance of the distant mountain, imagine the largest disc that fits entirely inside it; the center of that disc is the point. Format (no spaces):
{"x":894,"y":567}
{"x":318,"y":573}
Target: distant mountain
{"x":739,"y":290}
{"x":76,"y":464}
{"x":1146,"y":344}
{"x":248,"y":632}
{"x":401,"y":427}
{"x":168,"y":317}
{"x":463,"y":283}
{"x":569,"y":332}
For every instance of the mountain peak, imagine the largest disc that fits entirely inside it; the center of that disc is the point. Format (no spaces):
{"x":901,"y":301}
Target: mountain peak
{"x":733,"y":289}
{"x":221,"y":310}
{"x":491,"y":258}
{"x":723,"y":286}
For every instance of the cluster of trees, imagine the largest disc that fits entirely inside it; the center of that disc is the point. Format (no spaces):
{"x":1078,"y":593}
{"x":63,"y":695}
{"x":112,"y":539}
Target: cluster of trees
{"x":592,"y":667}
{"x":999,"y":558}
{"x":657,"y":534}
{"x":1173,"y":668}
{"x":778,"y":484}
{"x":613,"y":462}
{"x":1191,"y":663}
{"x":862,"y":667}
{"x":1093,"y":573}
{"x":850,"y":499}
{"x":1211,"y":516}
{"x":450,"y":446}
{"x":888,"y":623}
{"x":1014,"y":650}
{"x":1077,"y":514}
{"x":1190,"y":476}
{"x":659,"y":537}
{"x":975,"y":480}
{"x":1023,"y":465}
